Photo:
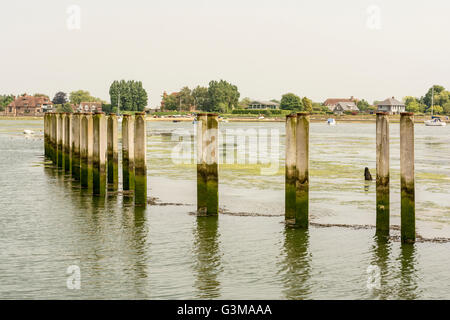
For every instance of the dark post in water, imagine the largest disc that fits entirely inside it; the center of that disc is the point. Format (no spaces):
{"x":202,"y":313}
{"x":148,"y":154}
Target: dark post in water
{"x":140,"y":160}
{"x":207,"y":167}
{"x":67,"y":142}
{"x":59,"y":140}
{"x":382,"y":188}
{"x":99,"y":155}
{"x":408,"y":219}
{"x":86,"y":150}
{"x":113,"y":154}
{"x":76,"y":146}
{"x":290,"y":174}
{"x":302,"y":170}
{"x":128,"y":152}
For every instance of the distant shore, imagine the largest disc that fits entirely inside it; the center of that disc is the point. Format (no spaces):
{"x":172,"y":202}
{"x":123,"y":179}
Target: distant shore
{"x":314,"y":118}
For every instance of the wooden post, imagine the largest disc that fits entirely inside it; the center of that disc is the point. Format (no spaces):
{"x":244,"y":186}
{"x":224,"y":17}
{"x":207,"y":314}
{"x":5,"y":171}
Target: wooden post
{"x":140,"y":160}
{"x":212,"y":168}
{"x":76,"y":146}
{"x":302,"y":170}
{"x":113,"y":155}
{"x":290,"y":171}
{"x":68,"y":142}
{"x":99,"y":154}
{"x":128,"y":152}
{"x":46,"y":134}
{"x":59,"y":140}
{"x":408,"y":219}
{"x":53,"y":139}
{"x":86,"y":150}
{"x":202,"y":119}
{"x":382,"y":188}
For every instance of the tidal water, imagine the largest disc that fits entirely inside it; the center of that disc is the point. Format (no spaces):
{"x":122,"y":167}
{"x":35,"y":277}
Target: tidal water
{"x":47,"y":223}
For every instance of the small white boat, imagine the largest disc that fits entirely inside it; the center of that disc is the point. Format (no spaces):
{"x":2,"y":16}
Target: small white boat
{"x":435,"y":122}
{"x":224,"y":120}
{"x":26,"y":131}
{"x":260,"y":118}
{"x":331,"y":122}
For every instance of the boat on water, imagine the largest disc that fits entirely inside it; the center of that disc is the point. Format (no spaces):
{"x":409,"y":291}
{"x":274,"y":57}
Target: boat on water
{"x":434,"y":121}
{"x":26,"y":131}
{"x":331,"y":122}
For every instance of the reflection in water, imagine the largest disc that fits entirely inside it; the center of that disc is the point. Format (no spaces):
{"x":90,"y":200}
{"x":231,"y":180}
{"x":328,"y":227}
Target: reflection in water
{"x":408,"y":288}
{"x":296,"y":266}
{"x":207,"y":266}
{"x":381,"y":251}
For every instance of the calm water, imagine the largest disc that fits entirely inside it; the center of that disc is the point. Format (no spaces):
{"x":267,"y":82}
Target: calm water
{"x":48,"y":223}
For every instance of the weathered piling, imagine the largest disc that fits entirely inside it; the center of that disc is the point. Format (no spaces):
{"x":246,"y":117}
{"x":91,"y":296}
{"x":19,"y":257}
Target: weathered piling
{"x":59,"y":140}
{"x":86,"y":150}
{"x":212,"y":169}
{"x":113,"y":154}
{"x":408,"y":219}
{"x":382,"y":188}
{"x":140,"y":160}
{"x":51,"y":147}
{"x":207,"y":164}
{"x":128,"y":152}
{"x":202,"y":120}
{"x":99,"y":154}
{"x":290,"y":174}
{"x":67,"y":142}
{"x":46,"y":134}
{"x":302,"y":170}
{"x":76,"y":146}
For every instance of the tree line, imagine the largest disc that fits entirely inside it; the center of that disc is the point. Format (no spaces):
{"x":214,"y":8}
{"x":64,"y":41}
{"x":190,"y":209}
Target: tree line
{"x":441,"y":101}
{"x":219,"y":96}
{"x":127,"y":96}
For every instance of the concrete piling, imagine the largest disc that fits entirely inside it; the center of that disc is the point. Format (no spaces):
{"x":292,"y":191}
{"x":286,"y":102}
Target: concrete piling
{"x":202,"y":120}
{"x":408,"y":220}
{"x":113,"y":154}
{"x":99,"y":154}
{"x":382,"y":182}
{"x":207,"y":164}
{"x":128,"y":152}
{"x":212,"y":169}
{"x":86,"y":150}
{"x":67,"y":142}
{"x":46,"y":134}
{"x":290,"y":170}
{"x":52,"y":138}
{"x":302,"y":171}
{"x":140,"y":160}
{"x":59,"y":140}
{"x":76,"y":146}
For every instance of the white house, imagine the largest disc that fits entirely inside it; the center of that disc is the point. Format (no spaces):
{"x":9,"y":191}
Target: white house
{"x":263,"y":105}
{"x":391,"y":105}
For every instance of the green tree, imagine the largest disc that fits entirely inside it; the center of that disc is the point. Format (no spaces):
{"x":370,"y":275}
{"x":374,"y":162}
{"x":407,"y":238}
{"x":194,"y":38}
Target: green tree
{"x":413,"y":106}
{"x":446,"y":108}
{"x":201,"y":98}
{"x":41,"y":95}
{"x":65,"y":107}
{"x":243,"y":104}
{"x":307,"y":104}
{"x":60,"y":98}
{"x":223,"y":96}
{"x":133,"y":96}
{"x":5,"y":100}
{"x":290,"y":101}
{"x":76,"y":97}
{"x":186,"y":98}
{"x":363,"y":105}
{"x":437,"y":90}
{"x":171,"y":102}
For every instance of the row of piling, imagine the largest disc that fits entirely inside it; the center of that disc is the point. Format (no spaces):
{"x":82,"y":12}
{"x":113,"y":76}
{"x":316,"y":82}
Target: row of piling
{"x":85,"y":145}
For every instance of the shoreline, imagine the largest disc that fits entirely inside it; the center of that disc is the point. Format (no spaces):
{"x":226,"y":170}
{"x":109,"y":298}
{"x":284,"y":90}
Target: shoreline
{"x":313,"y":119}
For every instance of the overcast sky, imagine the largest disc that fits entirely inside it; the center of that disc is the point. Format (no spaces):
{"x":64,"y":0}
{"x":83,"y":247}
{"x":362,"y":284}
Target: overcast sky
{"x":320,"y":49}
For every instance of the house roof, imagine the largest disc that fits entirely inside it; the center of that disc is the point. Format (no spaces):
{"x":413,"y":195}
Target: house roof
{"x":30,"y":101}
{"x":333,"y":101}
{"x":391,"y":102}
{"x":266,"y":103}
{"x":348,"y":106}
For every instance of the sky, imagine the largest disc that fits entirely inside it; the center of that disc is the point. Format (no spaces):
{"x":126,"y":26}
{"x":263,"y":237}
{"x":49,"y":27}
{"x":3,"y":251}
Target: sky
{"x":320,"y":49}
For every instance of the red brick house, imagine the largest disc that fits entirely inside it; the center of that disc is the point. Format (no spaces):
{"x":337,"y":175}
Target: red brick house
{"x":332,"y":102}
{"x":89,"y":107}
{"x":26,"y":105}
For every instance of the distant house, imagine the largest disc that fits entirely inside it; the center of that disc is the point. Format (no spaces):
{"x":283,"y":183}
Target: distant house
{"x":342,"y":107}
{"x":90,"y":107}
{"x":26,"y":105}
{"x":391,"y":105}
{"x":332,"y":102}
{"x":257,"y":104}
